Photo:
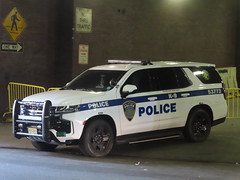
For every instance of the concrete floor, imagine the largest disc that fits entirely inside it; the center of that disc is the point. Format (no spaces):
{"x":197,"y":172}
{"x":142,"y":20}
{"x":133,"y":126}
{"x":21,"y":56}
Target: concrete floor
{"x":30,"y":164}
{"x":223,"y":146}
{"x":173,"y":159}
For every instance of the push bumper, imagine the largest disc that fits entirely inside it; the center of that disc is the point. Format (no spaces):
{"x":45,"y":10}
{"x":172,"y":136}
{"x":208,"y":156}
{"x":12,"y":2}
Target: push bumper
{"x":32,"y":120}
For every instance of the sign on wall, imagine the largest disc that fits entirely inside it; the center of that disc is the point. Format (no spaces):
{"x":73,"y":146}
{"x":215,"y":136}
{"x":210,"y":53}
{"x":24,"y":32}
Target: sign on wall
{"x":14,"y":23}
{"x":11,"y":47}
{"x":83,"y":20}
{"x":83,"y":54}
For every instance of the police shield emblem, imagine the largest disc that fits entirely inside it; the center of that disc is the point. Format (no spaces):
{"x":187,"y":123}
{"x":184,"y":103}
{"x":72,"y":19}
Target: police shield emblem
{"x":129,"y":108}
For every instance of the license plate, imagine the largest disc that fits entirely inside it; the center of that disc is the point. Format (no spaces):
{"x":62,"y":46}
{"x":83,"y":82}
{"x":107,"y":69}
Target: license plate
{"x":32,"y":130}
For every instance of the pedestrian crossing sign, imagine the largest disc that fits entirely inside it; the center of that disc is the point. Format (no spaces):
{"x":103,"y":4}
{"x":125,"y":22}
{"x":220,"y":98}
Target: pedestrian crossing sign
{"x":14,"y":24}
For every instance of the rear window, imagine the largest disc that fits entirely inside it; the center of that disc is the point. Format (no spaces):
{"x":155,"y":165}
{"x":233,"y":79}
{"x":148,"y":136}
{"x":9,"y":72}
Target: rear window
{"x":207,"y":75}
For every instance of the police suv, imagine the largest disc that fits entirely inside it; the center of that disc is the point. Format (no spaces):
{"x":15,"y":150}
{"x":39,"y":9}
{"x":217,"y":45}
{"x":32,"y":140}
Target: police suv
{"x":124,"y":101}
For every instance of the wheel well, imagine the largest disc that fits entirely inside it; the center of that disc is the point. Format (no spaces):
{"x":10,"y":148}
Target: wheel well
{"x":204,"y":107}
{"x":106,"y":118}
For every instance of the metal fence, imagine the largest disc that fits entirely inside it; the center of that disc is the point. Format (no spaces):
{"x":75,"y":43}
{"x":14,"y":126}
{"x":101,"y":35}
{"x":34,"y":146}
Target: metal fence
{"x":233,"y":102}
{"x":20,"y":91}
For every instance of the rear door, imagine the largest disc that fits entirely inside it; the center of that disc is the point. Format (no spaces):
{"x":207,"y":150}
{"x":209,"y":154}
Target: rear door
{"x":172,"y":86}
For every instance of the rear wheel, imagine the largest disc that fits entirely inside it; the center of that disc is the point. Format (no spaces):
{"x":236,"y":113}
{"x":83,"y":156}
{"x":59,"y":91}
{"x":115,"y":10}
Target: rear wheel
{"x":42,"y":146}
{"x":97,"y":139}
{"x":198,"y":126}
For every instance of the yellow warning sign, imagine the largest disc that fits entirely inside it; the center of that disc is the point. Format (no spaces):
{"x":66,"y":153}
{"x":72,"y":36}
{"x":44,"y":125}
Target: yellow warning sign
{"x":14,"y":23}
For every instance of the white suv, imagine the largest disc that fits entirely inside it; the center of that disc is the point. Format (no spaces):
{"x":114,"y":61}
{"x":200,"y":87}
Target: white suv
{"x":124,"y":101}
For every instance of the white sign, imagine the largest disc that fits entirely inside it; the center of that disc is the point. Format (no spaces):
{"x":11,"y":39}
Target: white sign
{"x":83,"y":54}
{"x":83,"y":20}
{"x":11,"y":47}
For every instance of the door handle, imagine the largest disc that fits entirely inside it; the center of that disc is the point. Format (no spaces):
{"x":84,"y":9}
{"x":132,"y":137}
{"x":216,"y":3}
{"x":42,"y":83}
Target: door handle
{"x":185,"y":94}
{"x":152,"y":98}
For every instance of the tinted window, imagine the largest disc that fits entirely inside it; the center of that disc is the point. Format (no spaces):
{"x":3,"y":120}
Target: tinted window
{"x":168,"y":78}
{"x":141,"y":80}
{"x":158,"y":79}
{"x":182,"y":78}
{"x":206,"y":75}
{"x":163,"y":78}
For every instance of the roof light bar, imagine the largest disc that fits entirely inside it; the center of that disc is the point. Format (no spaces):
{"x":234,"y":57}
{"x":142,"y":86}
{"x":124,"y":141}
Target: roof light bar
{"x":123,"y":62}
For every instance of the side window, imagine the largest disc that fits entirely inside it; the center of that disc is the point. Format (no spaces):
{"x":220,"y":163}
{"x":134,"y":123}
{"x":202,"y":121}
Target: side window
{"x":158,"y":79}
{"x":141,"y":80}
{"x":206,"y":75}
{"x":182,"y":78}
{"x":163,"y":79}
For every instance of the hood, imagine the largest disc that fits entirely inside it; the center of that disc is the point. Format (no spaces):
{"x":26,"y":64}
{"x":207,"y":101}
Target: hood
{"x":63,"y":97}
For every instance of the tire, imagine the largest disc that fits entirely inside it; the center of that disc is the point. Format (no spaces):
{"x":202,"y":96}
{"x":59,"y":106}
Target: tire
{"x":198,"y":126}
{"x":97,"y":139}
{"x":41,"y":146}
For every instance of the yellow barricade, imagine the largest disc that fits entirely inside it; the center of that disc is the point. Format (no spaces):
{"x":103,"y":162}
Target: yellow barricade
{"x":53,"y":88}
{"x":20,"y":91}
{"x":233,"y":102}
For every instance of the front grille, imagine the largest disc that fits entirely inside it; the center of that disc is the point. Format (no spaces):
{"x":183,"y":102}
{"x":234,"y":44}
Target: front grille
{"x":35,"y":119}
{"x":31,"y":119}
{"x":31,"y":108}
{"x":32,"y":111}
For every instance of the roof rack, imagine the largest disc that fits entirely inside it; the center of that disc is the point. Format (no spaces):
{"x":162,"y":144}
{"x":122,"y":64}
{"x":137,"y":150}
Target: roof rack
{"x":145,"y":62}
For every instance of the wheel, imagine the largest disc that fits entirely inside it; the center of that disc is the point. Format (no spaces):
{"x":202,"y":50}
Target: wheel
{"x":41,"y":146}
{"x":198,"y":126}
{"x":97,"y":139}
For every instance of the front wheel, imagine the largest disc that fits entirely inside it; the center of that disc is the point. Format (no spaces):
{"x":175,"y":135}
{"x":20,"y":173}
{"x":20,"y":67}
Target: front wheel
{"x":97,"y":139}
{"x":42,"y":146}
{"x":198,"y":126}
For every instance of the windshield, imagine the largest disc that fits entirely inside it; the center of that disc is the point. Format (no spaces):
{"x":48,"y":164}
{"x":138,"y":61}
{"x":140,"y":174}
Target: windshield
{"x":95,"y":80}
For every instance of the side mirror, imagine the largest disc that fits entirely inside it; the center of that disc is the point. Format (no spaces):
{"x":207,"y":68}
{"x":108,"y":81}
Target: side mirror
{"x":113,"y":83}
{"x":128,"y":89}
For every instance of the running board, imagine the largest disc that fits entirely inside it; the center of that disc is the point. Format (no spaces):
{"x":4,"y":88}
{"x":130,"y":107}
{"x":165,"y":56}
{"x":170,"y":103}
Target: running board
{"x":150,"y":136}
{"x":154,"y":139}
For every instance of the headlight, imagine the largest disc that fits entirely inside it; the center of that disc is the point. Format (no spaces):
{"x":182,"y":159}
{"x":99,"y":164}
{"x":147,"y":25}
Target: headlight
{"x":67,"y":109}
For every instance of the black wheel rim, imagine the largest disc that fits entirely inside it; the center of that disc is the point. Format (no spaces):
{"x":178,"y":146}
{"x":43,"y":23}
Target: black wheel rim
{"x":100,"y":139}
{"x":200,"y":126}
